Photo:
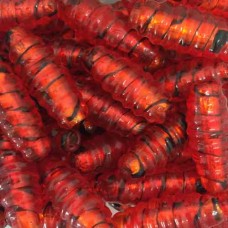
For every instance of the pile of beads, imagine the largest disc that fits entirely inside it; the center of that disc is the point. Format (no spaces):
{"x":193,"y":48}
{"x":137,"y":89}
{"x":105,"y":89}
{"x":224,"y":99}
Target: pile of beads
{"x":120,"y":106}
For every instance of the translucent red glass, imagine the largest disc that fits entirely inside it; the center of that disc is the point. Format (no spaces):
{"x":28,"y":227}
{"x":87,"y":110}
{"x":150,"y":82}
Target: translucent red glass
{"x":69,"y":193}
{"x":154,"y":147}
{"x":181,"y":29}
{"x":106,"y":112}
{"x":127,"y":85}
{"x":115,"y":188}
{"x":20,"y":121}
{"x":20,"y":192}
{"x":104,"y":26}
{"x":177,"y":80}
{"x":216,"y":7}
{"x":187,"y":211}
{"x":26,"y":13}
{"x":207,"y":117}
{"x":100,"y":153}
{"x":56,"y":93}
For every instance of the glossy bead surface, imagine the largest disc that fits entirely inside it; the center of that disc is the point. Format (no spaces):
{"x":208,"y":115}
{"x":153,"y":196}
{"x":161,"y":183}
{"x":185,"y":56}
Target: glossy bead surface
{"x":56,"y":93}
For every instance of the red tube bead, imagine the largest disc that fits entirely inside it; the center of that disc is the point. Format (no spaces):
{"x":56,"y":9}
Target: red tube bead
{"x":69,"y":194}
{"x":180,"y":29}
{"x":20,"y":121}
{"x":207,"y":116}
{"x":177,"y":80}
{"x":56,"y":93}
{"x":22,"y":197}
{"x":20,"y":192}
{"x":26,"y":13}
{"x":186,"y":212}
{"x":127,"y":85}
{"x":216,"y":7}
{"x":104,"y":26}
{"x":115,"y":188}
{"x":106,"y":112}
{"x":100,"y":153}
{"x":154,"y":147}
